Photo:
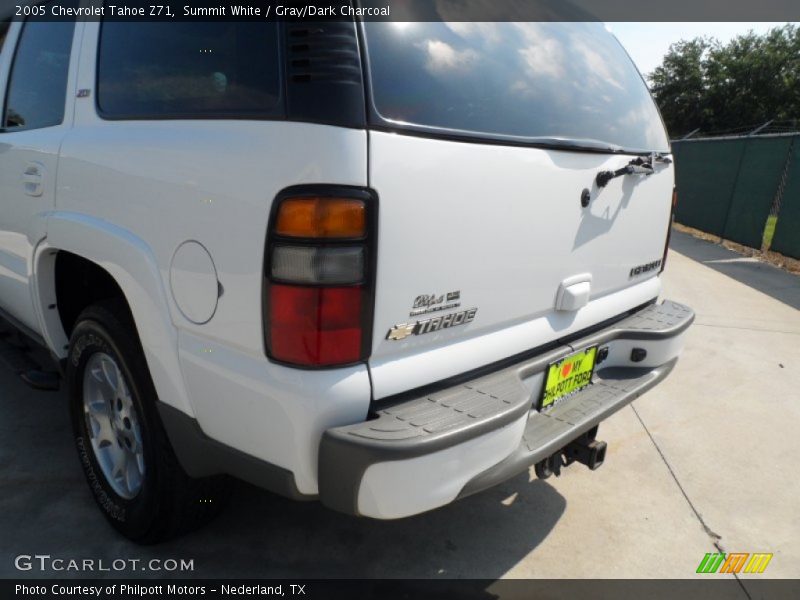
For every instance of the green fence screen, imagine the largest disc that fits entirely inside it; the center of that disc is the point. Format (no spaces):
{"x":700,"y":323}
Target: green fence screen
{"x":727,"y":187}
{"x":787,"y":231}
{"x":756,"y":187}
{"x":705,"y":175}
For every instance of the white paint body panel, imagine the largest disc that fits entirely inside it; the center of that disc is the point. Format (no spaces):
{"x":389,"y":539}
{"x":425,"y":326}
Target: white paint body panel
{"x":392,"y":490}
{"x":271,"y":412}
{"x":504,"y":226}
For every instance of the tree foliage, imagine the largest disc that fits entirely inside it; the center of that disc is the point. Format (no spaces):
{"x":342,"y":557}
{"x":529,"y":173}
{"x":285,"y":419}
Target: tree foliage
{"x":717,"y":87}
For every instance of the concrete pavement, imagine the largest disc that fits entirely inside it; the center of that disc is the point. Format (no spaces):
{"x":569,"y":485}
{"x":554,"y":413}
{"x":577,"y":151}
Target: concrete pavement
{"x":706,"y":460}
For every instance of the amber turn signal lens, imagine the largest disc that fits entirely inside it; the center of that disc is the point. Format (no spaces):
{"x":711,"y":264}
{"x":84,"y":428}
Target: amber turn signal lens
{"x":331,"y":218}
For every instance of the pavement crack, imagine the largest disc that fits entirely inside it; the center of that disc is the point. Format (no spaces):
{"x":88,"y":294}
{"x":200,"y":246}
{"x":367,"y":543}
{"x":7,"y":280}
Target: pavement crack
{"x":715,"y":537}
{"x":722,"y":550}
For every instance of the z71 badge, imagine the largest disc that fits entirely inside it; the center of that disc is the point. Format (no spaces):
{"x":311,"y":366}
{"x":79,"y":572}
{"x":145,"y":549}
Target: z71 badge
{"x":402,"y":331}
{"x":429,"y":303}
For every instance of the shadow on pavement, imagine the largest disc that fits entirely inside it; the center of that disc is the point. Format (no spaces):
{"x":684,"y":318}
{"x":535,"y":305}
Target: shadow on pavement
{"x":46,"y":508}
{"x":768,"y":279}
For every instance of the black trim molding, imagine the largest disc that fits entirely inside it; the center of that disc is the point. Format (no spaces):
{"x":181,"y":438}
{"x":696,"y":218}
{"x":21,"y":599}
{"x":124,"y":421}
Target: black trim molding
{"x":200,"y":456}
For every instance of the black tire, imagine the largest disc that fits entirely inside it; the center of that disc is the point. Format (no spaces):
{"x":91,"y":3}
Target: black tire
{"x":169,"y":502}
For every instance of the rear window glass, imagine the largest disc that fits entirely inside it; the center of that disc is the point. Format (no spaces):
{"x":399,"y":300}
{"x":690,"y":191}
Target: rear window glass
{"x":3,"y":33}
{"x":188,"y":70}
{"x":568,"y":81}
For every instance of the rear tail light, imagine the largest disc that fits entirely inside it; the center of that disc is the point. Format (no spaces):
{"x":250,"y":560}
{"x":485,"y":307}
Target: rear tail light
{"x":669,"y":228}
{"x":318,"y":278}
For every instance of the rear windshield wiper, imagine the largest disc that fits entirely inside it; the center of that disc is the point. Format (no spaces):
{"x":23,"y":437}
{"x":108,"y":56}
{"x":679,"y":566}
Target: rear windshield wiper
{"x":638,"y":166}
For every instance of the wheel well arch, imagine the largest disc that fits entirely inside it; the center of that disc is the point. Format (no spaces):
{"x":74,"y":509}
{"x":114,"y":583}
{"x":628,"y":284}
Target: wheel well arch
{"x":64,"y":285}
{"x":79,"y":283}
{"x":108,"y":261}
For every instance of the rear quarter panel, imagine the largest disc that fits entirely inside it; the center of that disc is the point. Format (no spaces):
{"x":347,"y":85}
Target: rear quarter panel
{"x":214,"y":181}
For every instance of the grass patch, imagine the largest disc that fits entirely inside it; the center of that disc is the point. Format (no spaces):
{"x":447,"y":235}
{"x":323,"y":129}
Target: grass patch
{"x":769,"y":231}
{"x":792,"y":265}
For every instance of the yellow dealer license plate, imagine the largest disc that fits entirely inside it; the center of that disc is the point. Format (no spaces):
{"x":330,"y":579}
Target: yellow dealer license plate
{"x":567,"y":376}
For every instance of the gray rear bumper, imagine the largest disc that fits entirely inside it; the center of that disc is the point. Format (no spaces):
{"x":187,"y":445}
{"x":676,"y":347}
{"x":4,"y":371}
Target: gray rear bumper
{"x":547,"y":433}
{"x":426,"y":424}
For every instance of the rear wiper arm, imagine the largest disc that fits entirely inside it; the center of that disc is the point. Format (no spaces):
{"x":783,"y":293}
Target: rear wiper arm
{"x":638,"y":166}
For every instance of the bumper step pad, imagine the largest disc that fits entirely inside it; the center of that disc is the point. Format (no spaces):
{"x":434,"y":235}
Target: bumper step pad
{"x":418,"y":425}
{"x":546,"y":433}
{"x":654,"y":322}
{"x":426,"y":423}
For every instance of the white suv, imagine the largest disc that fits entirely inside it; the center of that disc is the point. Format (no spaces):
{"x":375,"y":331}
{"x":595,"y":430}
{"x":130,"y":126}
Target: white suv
{"x":383,"y":265}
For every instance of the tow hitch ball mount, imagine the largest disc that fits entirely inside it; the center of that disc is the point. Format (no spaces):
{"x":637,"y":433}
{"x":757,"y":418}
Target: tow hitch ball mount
{"x":586,"y":450}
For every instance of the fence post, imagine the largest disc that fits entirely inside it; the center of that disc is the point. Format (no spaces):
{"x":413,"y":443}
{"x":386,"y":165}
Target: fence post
{"x":775,"y":209}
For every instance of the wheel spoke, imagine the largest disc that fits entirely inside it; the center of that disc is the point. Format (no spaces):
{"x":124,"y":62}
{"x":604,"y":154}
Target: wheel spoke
{"x":111,"y":375}
{"x":119,"y":463}
{"x":98,"y":385}
{"x":106,"y":391}
{"x":104,"y":434}
{"x":97,"y":408}
{"x":125,"y":395}
{"x":97,"y":373}
{"x":133,"y":477}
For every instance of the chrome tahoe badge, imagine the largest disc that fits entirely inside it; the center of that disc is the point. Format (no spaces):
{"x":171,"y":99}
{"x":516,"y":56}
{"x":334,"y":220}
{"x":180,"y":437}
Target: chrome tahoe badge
{"x":402,"y":331}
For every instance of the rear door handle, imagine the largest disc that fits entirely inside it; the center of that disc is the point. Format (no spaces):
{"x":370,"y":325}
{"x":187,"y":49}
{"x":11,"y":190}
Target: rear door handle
{"x":33,"y":179}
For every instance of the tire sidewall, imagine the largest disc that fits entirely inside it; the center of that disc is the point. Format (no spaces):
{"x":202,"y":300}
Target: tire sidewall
{"x":134,"y":516}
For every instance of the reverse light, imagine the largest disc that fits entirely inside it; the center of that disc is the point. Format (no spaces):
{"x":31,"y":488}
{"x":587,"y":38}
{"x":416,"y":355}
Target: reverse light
{"x":304,"y":264}
{"x":318,"y":283}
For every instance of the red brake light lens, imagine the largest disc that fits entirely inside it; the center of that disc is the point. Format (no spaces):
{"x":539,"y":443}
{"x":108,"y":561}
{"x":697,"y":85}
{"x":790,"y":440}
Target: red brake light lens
{"x":315,"y":326}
